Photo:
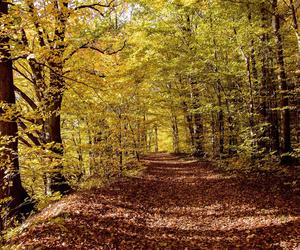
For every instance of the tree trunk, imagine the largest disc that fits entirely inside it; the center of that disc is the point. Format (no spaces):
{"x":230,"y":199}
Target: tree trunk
{"x":175,"y":133}
{"x":198,"y":133}
{"x":120,"y":153}
{"x":10,"y":179}
{"x":213,"y":134}
{"x":58,"y":182}
{"x":199,"y":152}
{"x":144,"y":137}
{"x":220,"y":120}
{"x":295,"y":23}
{"x":189,"y":122}
{"x":282,"y":78}
{"x":156,"y":138}
{"x":263,"y":91}
{"x":268,"y":99}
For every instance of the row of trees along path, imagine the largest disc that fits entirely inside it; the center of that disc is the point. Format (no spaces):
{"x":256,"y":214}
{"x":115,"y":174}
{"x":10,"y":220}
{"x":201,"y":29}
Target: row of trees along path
{"x":174,"y":204}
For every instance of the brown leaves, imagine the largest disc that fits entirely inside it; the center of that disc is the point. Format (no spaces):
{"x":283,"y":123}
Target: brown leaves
{"x":174,"y":205}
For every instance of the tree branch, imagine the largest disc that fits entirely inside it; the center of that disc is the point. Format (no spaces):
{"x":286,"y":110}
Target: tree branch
{"x":34,"y":139}
{"x":26,"y":98}
{"x":26,"y":143}
{"x":88,"y":46}
{"x":105,"y":51}
{"x":24,"y":75}
{"x":94,"y":5}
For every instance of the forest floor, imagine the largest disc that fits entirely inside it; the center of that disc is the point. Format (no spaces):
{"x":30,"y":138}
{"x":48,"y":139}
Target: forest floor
{"x":174,"y":204}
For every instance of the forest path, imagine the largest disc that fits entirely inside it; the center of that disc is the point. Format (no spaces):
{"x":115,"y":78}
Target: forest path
{"x":175,"y":204}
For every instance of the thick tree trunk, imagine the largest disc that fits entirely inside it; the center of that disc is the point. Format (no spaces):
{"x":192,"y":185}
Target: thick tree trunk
{"x":268,"y":99}
{"x":54,"y":97}
{"x":10,"y":180}
{"x":58,"y":182}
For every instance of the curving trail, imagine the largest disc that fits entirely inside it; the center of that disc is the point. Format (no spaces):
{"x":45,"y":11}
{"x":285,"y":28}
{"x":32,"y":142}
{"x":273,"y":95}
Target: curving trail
{"x":175,"y":204}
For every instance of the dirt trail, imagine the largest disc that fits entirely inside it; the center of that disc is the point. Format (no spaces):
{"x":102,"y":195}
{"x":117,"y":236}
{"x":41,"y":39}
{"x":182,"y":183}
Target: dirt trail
{"x":175,"y":204}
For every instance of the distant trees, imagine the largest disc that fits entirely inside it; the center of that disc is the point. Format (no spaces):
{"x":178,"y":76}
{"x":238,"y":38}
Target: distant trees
{"x":234,"y":65}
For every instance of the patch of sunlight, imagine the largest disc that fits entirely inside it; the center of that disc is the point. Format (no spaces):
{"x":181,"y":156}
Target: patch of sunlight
{"x":227,"y":223}
{"x":291,"y":244}
{"x":213,"y":177}
{"x":187,"y":179}
{"x":266,"y":211}
{"x":218,"y":217}
{"x":174,"y":162}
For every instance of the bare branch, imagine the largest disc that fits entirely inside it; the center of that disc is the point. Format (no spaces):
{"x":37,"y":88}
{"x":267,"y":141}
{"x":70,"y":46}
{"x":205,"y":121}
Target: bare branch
{"x":91,"y":72}
{"x":74,"y":52}
{"x":88,"y":46}
{"x":95,"y":5}
{"x":105,"y":51}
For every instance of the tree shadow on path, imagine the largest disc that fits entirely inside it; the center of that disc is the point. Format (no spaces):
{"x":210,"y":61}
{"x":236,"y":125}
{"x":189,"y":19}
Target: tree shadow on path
{"x":175,"y":204}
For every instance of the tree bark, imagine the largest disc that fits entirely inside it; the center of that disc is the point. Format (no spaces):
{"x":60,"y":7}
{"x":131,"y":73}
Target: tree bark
{"x":220,"y":120}
{"x":58,"y":182}
{"x":54,"y":97}
{"x":282,"y":78}
{"x":10,"y":180}
{"x":268,"y":97}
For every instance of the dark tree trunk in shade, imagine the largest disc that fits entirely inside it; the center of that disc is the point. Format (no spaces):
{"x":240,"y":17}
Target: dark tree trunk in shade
{"x":286,"y":146}
{"x":268,"y":98}
{"x":220,"y":116}
{"x":213,"y":134}
{"x":54,"y":97}
{"x":58,"y":182}
{"x":10,"y":179}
